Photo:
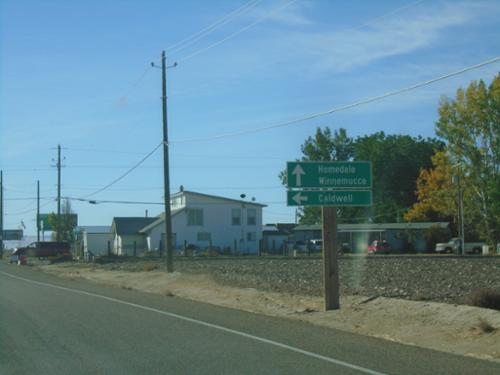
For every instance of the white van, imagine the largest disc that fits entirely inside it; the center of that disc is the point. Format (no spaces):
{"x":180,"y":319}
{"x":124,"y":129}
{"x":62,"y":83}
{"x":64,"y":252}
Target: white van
{"x":316,"y":245}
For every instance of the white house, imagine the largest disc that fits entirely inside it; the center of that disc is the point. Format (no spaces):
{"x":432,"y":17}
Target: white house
{"x":127,"y":240}
{"x":95,"y":240}
{"x":209,"y":221}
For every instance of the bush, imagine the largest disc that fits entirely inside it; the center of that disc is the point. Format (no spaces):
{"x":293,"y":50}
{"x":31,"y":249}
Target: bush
{"x":487,"y":298}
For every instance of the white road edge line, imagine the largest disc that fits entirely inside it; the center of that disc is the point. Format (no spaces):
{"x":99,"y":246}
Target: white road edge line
{"x":200,"y":322}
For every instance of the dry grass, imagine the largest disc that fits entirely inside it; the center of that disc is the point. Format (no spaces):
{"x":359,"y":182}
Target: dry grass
{"x":487,"y":298}
{"x":149,"y":267}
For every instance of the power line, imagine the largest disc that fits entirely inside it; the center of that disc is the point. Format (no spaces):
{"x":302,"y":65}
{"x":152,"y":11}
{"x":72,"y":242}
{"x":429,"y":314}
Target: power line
{"x":98,"y":201}
{"x":27,"y":211}
{"x":241,"y":188}
{"x":184,"y":43}
{"x":27,"y":199}
{"x":123,"y":99}
{"x":104,"y":150}
{"x":205,"y":156}
{"x":230,"y":36}
{"x":112,"y":201}
{"x":339,"y":109}
{"x":126,"y":173}
{"x":255,"y":68}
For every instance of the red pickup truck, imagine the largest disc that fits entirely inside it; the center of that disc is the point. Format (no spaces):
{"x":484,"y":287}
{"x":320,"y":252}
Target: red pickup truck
{"x":379,"y":247}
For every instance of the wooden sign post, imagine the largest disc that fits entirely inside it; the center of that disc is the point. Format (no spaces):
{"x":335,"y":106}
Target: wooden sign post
{"x":329,"y":184}
{"x":330,"y":258}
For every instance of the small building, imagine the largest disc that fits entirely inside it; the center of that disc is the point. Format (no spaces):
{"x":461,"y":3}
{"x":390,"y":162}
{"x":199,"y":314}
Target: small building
{"x":94,"y":240}
{"x":357,"y":237}
{"x":207,"y":221}
{"x":276,"y":238}
{"x":127,"y":240}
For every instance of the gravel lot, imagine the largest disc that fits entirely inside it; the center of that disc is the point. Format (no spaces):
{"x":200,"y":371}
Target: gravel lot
{"x":434,"y":278}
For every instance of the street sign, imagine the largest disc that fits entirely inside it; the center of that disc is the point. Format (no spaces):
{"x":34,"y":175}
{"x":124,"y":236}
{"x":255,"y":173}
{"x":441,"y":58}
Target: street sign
{"x":329,"y":198}
{"x":12,"y":234}
{"x":329,"y":184}
{"x":45,"y":225}
{"x":330,"y":174}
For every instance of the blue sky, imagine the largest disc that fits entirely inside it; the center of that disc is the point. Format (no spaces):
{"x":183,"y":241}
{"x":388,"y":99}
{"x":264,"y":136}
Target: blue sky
{"x":76,"y":74}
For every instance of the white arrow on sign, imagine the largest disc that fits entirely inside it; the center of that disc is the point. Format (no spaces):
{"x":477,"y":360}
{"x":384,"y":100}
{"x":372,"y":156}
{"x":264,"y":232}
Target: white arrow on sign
{"x":298,"y":172}
{"x":299,"y":198}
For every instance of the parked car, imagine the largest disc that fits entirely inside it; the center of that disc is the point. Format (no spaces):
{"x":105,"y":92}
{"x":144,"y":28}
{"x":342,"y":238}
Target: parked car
{"x":45,"y":249}
{"x":316,"y":245}
{"x":18,"y":257}
{"x":455,"y":244}
{"x":379,"y":247}
{"x":345,"y":247}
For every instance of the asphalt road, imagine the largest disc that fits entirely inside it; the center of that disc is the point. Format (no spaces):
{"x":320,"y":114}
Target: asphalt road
{"x":55,"y":326}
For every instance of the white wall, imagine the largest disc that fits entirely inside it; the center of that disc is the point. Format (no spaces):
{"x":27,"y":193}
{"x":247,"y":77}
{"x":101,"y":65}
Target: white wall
{"x":279,"y":242}
{"x":97,"y":243}
{"x":217,"y":220}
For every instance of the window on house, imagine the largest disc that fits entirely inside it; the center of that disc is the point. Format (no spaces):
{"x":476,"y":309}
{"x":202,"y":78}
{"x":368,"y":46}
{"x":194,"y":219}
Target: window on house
{"x":251,"y":236}
{"x":204,"y":236}
{"x":176,"y":202}
{"x":194,"y":216}
{"x":251,"y":216}
{"x":236,"y":216}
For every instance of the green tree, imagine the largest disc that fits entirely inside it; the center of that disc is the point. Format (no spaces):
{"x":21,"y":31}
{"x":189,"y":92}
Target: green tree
{"x":64,"y":229}
{"x":396,"y":161}
{"x":396,"y":164}
{"x":470,"y":127}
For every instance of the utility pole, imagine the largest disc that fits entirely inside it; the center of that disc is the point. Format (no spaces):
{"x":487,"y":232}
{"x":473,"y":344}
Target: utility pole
{"x":460,"y":206}
{"x":38,"y":211}
{"x":1,"y":214}
{"x":330,"y":258}
{"x":58,"y":192}
{"x":166,"y":171}
{"x":462,"y":227}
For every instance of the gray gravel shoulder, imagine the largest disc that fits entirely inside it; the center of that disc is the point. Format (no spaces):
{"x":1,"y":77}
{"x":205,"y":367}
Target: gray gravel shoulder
{"x":440,"y":279}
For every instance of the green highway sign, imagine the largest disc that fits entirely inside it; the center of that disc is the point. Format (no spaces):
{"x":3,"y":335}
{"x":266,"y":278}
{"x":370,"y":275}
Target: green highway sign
{"x":329,"y":198}
{"x":44,"y":222}
{"x":329,"y":174}
{"x":45,"y":225}
{"x":12,"y":234}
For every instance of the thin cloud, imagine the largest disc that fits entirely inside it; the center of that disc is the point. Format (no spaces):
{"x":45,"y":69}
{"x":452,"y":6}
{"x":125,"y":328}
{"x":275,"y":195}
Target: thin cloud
{"x":341,"y":51}
{"x":293,"y":15}
{"x":337,"y":51}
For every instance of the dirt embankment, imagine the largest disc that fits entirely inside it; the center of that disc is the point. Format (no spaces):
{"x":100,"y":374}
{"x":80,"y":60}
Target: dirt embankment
{"x":457,"y":329}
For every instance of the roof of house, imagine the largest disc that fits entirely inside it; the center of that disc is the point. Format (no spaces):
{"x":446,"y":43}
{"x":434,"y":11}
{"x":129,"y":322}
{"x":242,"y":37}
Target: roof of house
{"x":220,"y":198}
{"x":271,"y":233}
{"x":376,"y":226}
{"x":286,"y":227}
{"x":159,"y":219}
{"x":279,"y":229}
{"x":131,"y":225}
{"x":95,"y":228}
